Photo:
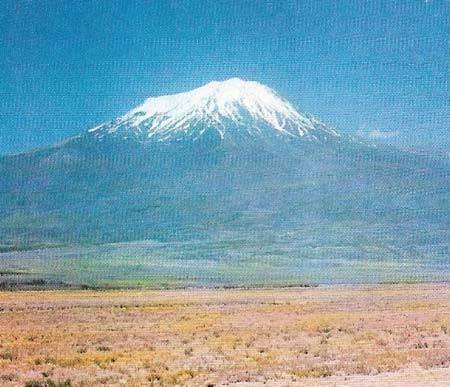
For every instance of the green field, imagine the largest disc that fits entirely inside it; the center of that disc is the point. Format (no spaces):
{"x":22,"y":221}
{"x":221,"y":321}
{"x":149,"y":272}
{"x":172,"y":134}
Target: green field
{"x":154,"y":264}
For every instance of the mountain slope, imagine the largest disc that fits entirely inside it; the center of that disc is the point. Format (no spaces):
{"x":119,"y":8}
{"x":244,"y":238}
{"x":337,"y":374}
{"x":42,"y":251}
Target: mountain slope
{"x":236,"y":168}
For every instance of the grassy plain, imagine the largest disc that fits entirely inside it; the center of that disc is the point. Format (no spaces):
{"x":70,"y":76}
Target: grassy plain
{"x":325,"y":336}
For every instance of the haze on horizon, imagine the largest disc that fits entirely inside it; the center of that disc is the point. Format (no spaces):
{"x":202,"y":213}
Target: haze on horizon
{"x":375,"y":68}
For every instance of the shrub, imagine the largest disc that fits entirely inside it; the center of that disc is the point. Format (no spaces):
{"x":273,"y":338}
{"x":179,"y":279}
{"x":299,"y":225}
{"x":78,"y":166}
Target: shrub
{"x":48,"y":383}
{"x":103,"y":348}
{"x":314,"y":372}
{"x":6,"y":355}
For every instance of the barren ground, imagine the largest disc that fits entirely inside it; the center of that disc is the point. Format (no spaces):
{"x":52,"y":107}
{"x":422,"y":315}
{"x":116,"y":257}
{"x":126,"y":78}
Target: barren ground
{"x":325,"y":336}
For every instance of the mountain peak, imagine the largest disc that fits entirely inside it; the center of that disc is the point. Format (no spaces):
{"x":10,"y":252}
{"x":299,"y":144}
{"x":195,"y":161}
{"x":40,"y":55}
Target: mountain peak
{"x":233,"y":83}
{"x":229,"y":108}
{"x":232,"y":88}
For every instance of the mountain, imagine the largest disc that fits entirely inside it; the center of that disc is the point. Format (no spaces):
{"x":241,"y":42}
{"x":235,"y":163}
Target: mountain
{"x":231,"y":111}
{"x":236,"y":169}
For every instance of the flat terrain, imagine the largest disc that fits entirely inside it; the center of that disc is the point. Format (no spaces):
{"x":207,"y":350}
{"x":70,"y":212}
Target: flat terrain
{"x":226,"y":263}
{"x":324,"y":336}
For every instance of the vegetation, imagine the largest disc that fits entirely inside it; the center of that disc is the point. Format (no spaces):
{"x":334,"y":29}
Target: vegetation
{"x":47,"y":383}
{"x":151,"y":338}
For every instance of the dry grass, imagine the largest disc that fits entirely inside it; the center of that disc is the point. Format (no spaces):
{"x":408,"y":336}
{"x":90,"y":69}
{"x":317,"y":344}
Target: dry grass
{"x":281,"y":337}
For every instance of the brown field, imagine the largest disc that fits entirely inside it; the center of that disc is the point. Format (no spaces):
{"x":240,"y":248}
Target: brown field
{"x":325,"y":336}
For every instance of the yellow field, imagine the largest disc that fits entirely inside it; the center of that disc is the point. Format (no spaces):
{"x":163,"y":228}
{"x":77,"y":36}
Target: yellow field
{"x":359,"y":336}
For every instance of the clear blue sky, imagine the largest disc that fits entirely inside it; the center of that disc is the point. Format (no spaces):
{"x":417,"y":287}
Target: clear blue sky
{"x":378,"y":68}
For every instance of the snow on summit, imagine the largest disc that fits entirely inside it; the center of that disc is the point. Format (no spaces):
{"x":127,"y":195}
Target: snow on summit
{"x":230,"y":108}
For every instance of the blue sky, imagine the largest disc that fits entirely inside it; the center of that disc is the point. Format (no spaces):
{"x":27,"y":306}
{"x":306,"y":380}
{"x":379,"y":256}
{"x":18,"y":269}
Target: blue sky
{"x":377,"y":68}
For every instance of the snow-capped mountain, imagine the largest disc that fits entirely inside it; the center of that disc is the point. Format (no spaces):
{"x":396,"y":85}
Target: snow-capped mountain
{"x":231,"y":110}
{"x":235,"y":169}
